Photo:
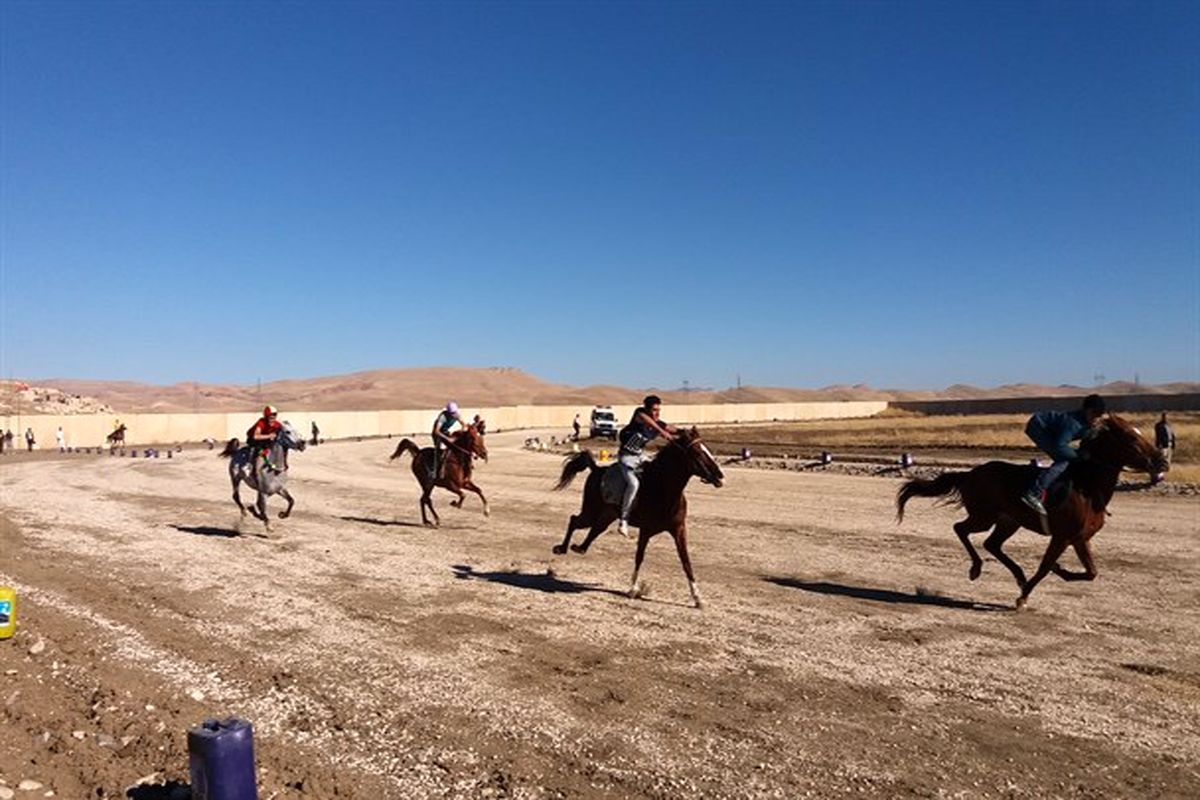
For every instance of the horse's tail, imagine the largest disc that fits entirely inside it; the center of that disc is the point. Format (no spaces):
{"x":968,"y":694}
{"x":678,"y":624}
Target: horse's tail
{"x":230,"y":448}
{"x":405,"y":446}
{"x":573,"y":465}
{"x":947,"y":485}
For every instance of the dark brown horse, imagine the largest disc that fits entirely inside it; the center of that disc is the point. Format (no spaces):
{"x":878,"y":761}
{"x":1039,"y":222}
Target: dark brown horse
{"x":991,"y":496}
{"x":456,"y":472}
{"x":660,"y":504}
{"x":116,"y":438}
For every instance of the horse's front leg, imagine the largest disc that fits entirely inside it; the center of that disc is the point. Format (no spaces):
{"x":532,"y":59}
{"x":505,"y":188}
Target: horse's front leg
{"x":471,"y":487}
{"x":1084,"y":551}
{"x":261,"y":511}
{"x":290,"y":502}
{"x":680,"y":537}
{"x":1049,"y":561}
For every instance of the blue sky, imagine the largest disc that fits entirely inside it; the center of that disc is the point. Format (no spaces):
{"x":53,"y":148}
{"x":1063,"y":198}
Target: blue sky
{"x":800,"y":194}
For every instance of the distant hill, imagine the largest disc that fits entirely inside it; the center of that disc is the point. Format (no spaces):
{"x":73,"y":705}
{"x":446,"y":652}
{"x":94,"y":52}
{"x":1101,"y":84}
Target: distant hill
{"x":430,"y":387}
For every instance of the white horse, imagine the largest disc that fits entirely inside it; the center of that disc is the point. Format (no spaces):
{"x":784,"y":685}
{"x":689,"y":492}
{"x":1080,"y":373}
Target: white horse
{"x":265,"y":480}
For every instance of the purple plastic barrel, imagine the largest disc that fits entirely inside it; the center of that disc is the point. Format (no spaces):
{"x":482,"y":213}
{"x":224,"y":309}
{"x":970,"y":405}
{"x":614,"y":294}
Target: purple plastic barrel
{"x":221,"y":760}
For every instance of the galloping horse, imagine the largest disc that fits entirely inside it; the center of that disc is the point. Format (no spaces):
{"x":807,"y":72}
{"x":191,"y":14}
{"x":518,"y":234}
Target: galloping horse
{"x":991,"y":492}
{"x":660,"y":504}
{"x":116,"y":438}
{"x":244,"y":466}
{"x":456,"y":469}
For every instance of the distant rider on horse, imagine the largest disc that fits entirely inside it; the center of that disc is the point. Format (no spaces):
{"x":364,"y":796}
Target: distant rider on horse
{"x":644,"y":426}
{"x":1053,"y":432}
{"x":446,"y":423}
{"x":261,"y":437}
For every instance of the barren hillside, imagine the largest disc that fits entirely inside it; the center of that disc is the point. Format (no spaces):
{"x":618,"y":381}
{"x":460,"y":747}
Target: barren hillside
{"x":429,"y":387}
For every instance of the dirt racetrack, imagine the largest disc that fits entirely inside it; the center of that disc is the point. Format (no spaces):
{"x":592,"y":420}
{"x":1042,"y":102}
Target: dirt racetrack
{"x":837,"y":655}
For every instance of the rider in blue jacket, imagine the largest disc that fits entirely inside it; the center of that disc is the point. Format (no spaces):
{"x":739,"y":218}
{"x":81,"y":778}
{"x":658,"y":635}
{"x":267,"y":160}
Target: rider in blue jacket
{"x":1053,"y":432}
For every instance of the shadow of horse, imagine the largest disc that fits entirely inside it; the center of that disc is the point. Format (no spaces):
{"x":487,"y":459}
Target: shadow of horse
{"x":205,"y":530}
{"x":387,"y":523}
{"x":884,"y":595}
{"x":524,"y":580}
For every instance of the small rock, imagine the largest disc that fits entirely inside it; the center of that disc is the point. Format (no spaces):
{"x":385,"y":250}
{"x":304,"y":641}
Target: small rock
{"x":29,"y":786}
{"x":10,"y":672}
{"x":6,"y":793}
{"x":149,"y":707}
{"x":196,"y":695}
{"x":78,"y":735}
{"x":37,"y":647}
{"x":104,"y":740}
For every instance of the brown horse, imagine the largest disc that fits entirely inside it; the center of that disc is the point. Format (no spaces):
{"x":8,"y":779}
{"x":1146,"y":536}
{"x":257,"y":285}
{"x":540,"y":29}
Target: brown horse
{"x":456,"y":471}
{"x":991,"y":496}
{"x":660,"y":504}
{"x":116,"y":438}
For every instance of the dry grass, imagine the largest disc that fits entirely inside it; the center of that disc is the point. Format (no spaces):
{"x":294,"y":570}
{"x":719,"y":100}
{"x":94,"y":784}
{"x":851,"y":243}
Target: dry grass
{"x":893,"y":432}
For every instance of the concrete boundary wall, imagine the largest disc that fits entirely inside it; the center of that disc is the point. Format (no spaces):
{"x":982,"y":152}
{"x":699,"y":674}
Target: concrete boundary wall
{"x":158,"y":429}
{"x":1120,"y":403}
{"x":90,"y":430}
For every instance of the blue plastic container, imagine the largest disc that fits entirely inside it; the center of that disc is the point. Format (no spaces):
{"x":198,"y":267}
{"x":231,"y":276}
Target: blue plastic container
{"x":221,"y":760}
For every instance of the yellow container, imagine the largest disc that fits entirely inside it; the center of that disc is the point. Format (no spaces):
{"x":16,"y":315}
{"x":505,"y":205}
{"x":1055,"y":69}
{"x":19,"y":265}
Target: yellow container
{"x":8,"y":612}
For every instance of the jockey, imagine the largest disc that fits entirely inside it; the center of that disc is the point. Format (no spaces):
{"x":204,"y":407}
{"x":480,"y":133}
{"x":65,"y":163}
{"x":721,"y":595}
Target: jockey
{"x":262,"y":434}
{"x":1053,"y":432}
{"x":643,"y":427}
{"x":445,"y":424}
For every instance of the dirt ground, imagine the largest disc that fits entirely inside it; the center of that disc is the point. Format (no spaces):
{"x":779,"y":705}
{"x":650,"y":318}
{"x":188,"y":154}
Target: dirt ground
{"x":837,"y":655}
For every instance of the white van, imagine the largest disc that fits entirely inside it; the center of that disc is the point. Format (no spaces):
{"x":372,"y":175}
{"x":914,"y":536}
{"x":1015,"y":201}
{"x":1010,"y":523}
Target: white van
{"x":604,"y":423}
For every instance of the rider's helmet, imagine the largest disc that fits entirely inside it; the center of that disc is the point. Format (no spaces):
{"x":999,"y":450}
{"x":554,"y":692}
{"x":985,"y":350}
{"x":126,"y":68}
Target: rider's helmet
{"x":270,"y":411}
{"x":452,"y":408}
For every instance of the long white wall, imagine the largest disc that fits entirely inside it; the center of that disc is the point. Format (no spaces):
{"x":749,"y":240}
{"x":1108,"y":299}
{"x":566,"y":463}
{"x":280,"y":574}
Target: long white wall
{"x":162,"y":429}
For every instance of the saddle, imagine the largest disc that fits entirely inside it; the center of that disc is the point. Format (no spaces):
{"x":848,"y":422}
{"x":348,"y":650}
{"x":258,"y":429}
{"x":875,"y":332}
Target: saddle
{"x":1058,"y":491}
{"x":612,"y":485}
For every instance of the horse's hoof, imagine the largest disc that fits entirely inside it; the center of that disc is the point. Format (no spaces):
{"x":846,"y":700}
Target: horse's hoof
{"x":487,"y":512}
{"x":578,"y":548}
{"x":698,"y":604}
{"x":1020,"y":604}
{"x":976,"y":569}
{"x":283,"y":515}
{"x":558,"y":549}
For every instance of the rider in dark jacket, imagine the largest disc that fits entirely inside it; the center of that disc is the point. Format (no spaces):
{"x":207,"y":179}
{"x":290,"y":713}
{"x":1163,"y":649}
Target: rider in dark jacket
{"x":1053,"y":432}
{"x":644,"y":426}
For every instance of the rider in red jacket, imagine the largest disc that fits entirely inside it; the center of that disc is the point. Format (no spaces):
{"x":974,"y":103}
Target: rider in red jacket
{"x":262,"y":434}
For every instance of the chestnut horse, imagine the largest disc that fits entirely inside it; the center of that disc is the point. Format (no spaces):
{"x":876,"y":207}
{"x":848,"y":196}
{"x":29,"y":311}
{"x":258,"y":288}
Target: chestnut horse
{"x":456,"y":471}
{"x":991,"y":496}
{"x":660,"y":504}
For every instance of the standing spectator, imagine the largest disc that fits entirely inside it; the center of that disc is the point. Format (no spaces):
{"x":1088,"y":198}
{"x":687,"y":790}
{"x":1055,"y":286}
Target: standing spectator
{"x":60,"y":440}
{"x":575,"y":427}
{"x":29,"y":440}
{"x":8,"y":437}
{"x":1164,"y":437}
{"x":1164,"y":440}
{"x":3,"y":442}
{"x":316,"y":434}
{"x":480,"y":424}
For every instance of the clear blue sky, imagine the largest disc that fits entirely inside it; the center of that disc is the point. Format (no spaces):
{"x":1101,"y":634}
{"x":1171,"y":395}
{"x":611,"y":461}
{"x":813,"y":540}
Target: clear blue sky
{"x":903,"y":194}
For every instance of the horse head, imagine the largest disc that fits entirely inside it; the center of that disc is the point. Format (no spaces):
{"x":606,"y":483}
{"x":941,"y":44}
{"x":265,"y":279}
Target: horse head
{"x":471,"y":440}
{"x":1116,"y":442}
{"x":289,"y":438}
{"x":700,"y":461}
